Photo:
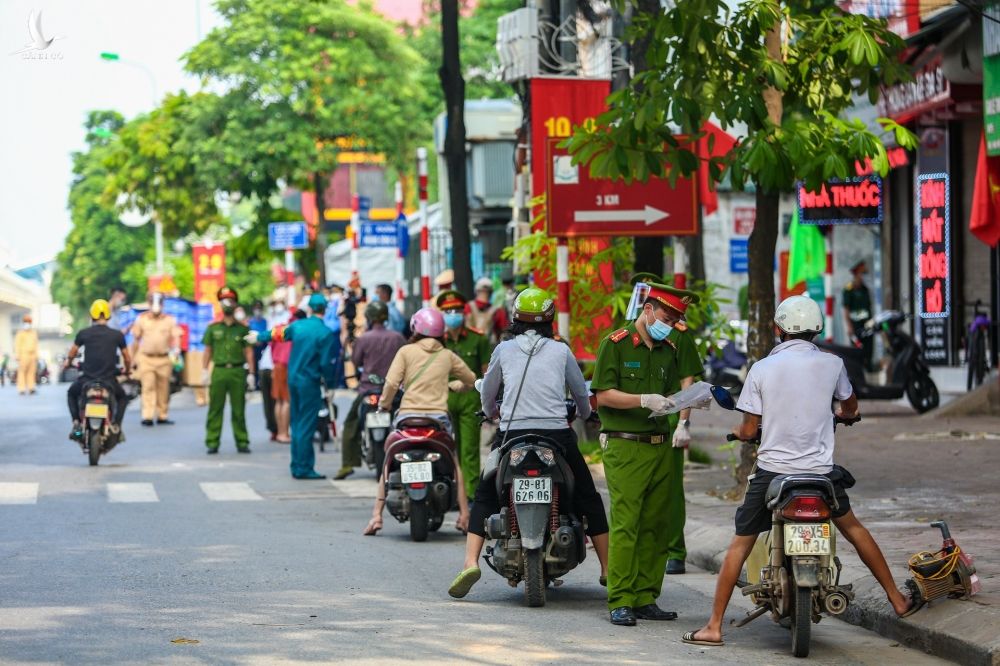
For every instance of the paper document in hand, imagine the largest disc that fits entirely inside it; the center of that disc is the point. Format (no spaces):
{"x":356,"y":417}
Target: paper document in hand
{"x":696,"y":396}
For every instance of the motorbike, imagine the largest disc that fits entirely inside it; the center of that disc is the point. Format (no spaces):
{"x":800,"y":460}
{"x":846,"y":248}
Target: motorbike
{"x":419,"y":475}
{"x":729,"y":368}
{"x":326,"y":421}
{"x":536,"y":536}
{"x":908,"y":373}
{"x":793,"y":571}
{"x":97,"y":407}
{"x":376,"y":425}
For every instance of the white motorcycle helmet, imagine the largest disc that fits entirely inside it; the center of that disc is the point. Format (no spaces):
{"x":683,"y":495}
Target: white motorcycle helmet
{"x":799,"y":314}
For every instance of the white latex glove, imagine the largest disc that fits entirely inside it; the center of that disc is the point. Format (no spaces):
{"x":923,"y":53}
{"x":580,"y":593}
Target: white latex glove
{"x":682,"y":438}
{"x":251,"y":337}
{"x":251,"y":382}
{"x":456,"y":385}
{"x":658,"y":404}
{"x":206,"y":376}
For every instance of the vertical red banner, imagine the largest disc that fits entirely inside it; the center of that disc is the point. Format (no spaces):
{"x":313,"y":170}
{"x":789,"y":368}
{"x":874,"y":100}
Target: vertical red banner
{"x":209,"y":271}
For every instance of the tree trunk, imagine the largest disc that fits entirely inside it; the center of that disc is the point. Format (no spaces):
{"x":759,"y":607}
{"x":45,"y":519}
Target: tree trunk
{"x":648,"y":249}
{"x":763,"y":240}
{"x":319,"y":185}
{"x":453,"y":86}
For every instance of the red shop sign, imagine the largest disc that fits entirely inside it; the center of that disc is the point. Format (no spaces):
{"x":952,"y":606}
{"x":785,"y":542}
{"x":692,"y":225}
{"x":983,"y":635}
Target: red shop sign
{"x":933,"y":235}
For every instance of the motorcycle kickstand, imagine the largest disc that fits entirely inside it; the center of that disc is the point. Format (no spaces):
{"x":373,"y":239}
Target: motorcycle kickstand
{"x":751,"y":616}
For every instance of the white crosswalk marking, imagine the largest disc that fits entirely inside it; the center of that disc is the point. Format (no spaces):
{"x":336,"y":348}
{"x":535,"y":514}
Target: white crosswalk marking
{"x":132,"y":492}
{"x":18,"y":493}
{"x":229,"y":492}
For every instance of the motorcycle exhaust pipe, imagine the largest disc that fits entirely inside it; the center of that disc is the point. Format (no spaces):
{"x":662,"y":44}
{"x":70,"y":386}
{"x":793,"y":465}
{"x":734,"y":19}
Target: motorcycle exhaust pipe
{"x":836,"y":603}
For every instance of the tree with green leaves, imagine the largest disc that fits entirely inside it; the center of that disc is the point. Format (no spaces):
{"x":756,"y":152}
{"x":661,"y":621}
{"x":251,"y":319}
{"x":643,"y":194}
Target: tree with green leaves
{"x":99,"y":249}
{"x":778,"y":75}
{"x":303,"y":79}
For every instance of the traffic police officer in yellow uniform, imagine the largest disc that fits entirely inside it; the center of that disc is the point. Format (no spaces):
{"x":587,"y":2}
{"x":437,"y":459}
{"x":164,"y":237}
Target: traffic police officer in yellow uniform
{"x":233,"y":374}
{"x":637,"y":367}
{"x":473,"y":347}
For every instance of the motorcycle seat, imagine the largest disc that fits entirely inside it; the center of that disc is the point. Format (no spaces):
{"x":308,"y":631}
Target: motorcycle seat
{"x":784,"y":483}
{"x":418,"y":422}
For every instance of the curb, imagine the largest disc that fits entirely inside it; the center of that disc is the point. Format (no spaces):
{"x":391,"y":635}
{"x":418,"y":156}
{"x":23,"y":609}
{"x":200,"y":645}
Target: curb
{"x":946,"y":630}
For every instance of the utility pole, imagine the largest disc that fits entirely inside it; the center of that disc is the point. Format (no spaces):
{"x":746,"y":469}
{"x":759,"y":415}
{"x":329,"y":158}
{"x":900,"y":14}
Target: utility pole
{"x":453,"y":86}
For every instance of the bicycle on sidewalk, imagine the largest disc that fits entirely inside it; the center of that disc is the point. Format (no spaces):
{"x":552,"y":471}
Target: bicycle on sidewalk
{"x":976,"y":344}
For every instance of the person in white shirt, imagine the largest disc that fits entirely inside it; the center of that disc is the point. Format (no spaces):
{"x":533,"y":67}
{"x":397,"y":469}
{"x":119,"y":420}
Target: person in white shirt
{"x":795,"y":386}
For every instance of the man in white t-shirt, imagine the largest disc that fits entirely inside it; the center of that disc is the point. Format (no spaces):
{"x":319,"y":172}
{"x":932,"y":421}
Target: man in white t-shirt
{"x":795,"y":386}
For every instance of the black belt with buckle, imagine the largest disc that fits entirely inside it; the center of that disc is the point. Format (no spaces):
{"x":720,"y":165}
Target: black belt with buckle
{"x":229,"y":365}
{"x":644,"y":439}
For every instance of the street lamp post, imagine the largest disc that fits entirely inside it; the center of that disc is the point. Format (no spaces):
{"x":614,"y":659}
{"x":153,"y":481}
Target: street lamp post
{"x":109,"y":56}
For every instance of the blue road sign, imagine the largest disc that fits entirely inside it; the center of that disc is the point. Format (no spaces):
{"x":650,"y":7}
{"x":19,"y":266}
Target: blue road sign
{"x":739,"y":255}
{"x":364,"y":208}
{"x":402,"y":235}
{"x":287,"y":236}
{"x":378,"y":234}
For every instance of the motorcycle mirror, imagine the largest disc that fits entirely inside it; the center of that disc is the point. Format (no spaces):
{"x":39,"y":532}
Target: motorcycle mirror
{"x":723,"y":397}
{"x":479,"y":385}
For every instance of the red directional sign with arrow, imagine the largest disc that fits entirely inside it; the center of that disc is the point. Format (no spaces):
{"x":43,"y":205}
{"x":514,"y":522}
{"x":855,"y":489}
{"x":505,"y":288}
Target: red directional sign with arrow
{"x":578,"y":205}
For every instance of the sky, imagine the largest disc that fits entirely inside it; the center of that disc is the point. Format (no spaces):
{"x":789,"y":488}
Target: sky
{"x":45,"y":102}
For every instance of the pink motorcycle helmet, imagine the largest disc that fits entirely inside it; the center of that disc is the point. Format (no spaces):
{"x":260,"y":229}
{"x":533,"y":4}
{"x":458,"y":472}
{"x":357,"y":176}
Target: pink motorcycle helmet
{"x":427,"y":321}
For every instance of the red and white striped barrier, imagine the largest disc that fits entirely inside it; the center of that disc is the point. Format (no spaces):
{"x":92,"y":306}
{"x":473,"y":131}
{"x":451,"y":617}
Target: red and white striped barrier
{"x":400,"y":260}
{"x":828,"y":284}
{"x":562,"y":287}
{"x":425,"y":255}
{"x":355,"y":231}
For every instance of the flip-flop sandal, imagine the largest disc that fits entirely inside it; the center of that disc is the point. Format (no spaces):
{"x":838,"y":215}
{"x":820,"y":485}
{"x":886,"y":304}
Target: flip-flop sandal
{"x":374,"y":525}
{"x":914,"y":607}
{"x":691,"y":640}
{"x":603,"y":580}
{"x":464,"y":582}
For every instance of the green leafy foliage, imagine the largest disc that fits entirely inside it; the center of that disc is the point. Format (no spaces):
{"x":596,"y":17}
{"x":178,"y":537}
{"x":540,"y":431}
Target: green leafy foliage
{"x":708,"y":62}
{"x":99,"y":250}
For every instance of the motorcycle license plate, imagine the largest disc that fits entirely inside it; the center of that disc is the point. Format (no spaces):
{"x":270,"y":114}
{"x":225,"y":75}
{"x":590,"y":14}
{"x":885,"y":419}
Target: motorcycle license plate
{"x":378,"y":420}
{"x":807,"y":539}
{"x":95,"y":411}
{"x":532,"y":490}
{"x":416,"y":472}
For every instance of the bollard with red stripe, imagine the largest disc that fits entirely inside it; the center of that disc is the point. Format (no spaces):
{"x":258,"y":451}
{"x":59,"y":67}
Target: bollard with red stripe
{"x":425,"y":255}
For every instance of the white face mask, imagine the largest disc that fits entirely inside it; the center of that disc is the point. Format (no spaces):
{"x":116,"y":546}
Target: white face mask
{"x":26,"y":326}
{"x":240,"y":315}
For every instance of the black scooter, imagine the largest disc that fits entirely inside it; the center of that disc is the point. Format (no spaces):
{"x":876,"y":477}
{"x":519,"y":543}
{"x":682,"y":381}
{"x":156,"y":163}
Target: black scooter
{"x":908,"y":374}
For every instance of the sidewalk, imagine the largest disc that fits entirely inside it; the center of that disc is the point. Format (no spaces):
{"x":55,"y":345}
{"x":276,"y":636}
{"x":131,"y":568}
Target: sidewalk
{"x":910,"y":471}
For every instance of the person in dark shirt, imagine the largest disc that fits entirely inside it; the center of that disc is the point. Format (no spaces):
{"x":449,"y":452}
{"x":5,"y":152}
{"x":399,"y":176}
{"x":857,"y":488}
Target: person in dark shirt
{"x":102,"y":345}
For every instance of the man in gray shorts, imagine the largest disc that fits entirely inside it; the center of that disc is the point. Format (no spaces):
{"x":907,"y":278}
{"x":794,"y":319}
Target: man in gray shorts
{"x":795,"y":386}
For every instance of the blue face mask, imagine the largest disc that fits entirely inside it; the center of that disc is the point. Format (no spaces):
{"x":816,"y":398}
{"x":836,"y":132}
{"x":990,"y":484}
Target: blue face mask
{"x":453,"y":319}
{"x":658,"y":330}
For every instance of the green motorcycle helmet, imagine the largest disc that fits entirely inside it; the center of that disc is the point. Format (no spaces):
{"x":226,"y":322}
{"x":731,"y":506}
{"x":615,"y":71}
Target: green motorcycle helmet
{"x":534,"y":305}
{"x":376,"y":311}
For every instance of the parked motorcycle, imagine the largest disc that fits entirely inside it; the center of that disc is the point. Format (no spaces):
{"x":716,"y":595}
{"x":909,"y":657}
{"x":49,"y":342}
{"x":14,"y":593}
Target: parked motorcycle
{"x":793,"y":571}
{"x":377,"y":425}
{"x":98,"y":406}
{"x":326,"y":421}
{"x":908,"y":373}
{"x":419,"y":474}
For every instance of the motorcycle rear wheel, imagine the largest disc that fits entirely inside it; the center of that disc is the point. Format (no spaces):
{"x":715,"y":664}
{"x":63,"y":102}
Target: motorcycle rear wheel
{"x":922,"y":393}
{"x":96,"y":443}
{"x":419,"y":520}
{"x":534,"y":578}
{"x":801,"y":621}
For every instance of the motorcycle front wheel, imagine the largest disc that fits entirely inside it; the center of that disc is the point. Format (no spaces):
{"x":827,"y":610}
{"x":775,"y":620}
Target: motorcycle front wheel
{"x":96,"y":444}
{"x":418,"y":520}
{"x":534,"y":578}
{"x":801,"y":621}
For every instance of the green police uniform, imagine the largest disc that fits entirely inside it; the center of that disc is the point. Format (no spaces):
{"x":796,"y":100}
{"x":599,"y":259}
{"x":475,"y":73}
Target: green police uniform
{"x":473,"y":347}
{"x":645,"y":479}
{"x":228,"y":378}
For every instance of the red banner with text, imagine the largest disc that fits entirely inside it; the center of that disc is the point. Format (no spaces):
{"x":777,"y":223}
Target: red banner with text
{"x":209,"y":272}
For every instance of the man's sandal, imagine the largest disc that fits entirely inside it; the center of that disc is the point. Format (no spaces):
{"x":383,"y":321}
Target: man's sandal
{"x":464,"y":582}
{"x":691,"y":640}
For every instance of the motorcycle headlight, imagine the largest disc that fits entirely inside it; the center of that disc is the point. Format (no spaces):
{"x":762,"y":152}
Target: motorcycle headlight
{"x":433,"y":456}
{"x":402,"y":457}
{"x":517,"y":456}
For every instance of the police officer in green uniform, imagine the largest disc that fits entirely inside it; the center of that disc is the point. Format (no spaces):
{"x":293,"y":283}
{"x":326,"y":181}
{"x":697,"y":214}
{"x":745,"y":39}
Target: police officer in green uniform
{"x":637,"y":366}
{"x":857,"y":303}
{"x":473,"y":347}
{"x":233,"y":374}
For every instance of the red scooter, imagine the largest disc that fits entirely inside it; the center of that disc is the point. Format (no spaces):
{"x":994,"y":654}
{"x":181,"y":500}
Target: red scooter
{"x":419,"y":473}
